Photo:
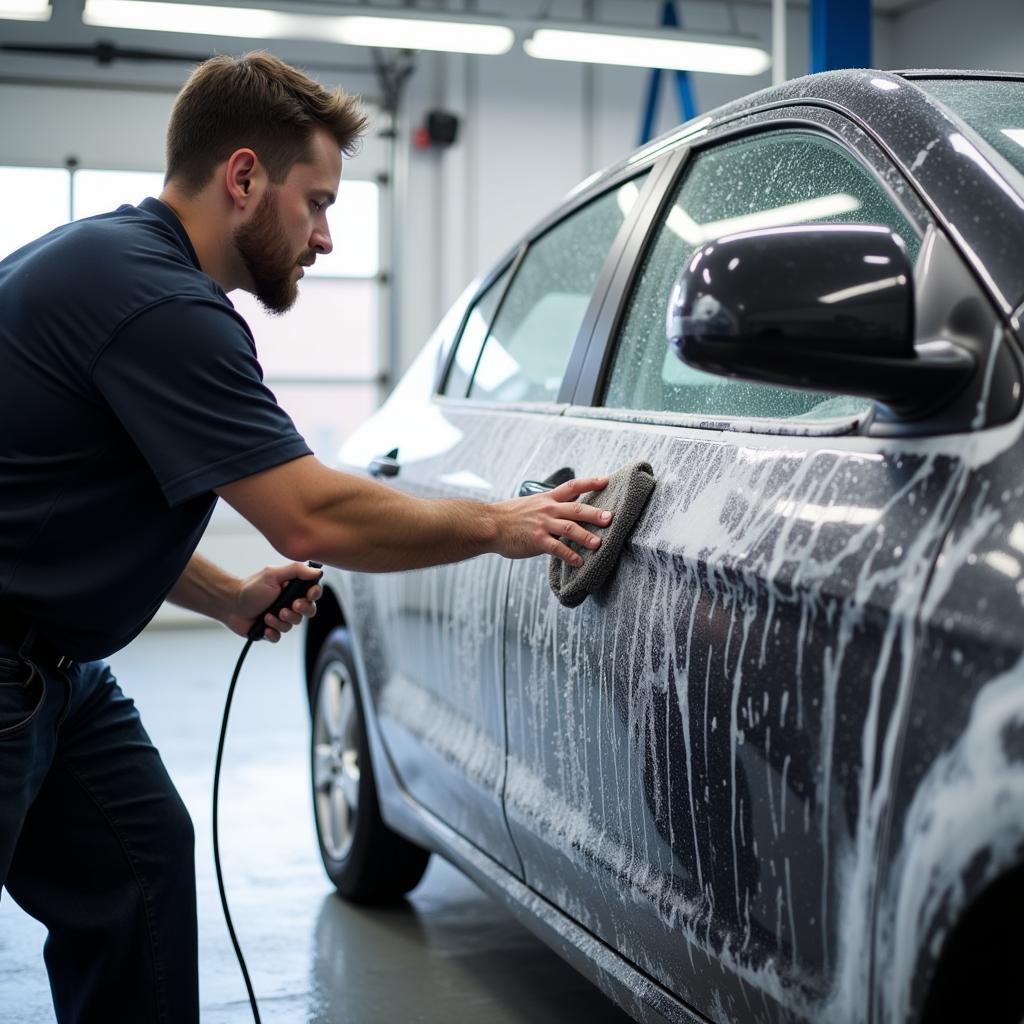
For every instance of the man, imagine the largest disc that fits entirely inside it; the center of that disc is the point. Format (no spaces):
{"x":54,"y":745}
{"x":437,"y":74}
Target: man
{"x":130,"y":398}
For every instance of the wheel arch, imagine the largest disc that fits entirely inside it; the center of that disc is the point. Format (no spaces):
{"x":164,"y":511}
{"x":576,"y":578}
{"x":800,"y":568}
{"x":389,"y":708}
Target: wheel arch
{"x":986,"y":937}
{"x":956,"y":861}
{"x":329,"y":616}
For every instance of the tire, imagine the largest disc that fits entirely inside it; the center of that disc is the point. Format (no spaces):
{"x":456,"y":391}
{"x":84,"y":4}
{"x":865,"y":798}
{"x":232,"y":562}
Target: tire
{"x":366,"y":861}
{"x":978,"y":976}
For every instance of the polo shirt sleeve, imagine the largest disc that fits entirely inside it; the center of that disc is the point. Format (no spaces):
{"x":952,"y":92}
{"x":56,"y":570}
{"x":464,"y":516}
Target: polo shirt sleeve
{"x":182,"y":378}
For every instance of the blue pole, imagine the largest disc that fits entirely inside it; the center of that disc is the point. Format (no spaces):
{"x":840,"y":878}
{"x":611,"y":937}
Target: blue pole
{"x":684,"y":90}
{"x":840,"y":34}
{"x":670,"y":19}
{"x":686,"y":104}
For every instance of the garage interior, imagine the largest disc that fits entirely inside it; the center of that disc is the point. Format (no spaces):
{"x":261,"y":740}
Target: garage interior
{"x":465,"y":152}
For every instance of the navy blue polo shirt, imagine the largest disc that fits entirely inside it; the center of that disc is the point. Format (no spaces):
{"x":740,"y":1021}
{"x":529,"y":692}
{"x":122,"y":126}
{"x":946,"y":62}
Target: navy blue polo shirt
{"x":129,"y":390}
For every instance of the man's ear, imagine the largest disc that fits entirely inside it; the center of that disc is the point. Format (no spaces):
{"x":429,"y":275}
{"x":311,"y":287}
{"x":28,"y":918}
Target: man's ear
{"x":244,"y":178}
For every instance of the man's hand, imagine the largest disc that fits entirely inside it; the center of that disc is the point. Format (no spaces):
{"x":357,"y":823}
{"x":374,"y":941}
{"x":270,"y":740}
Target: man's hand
{"x":533,"y":525}
{"x":308,"y":511}
{"x":262,"y":588}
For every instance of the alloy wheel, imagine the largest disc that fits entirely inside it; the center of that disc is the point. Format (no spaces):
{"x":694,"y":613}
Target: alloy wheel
{"x":336,"y":760}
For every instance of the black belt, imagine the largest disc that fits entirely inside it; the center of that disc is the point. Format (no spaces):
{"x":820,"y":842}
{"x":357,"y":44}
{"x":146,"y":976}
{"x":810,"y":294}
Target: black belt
{"x":19,"y":633}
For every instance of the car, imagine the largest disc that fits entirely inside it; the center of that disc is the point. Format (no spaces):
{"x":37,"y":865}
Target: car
{"x":774,"y":769}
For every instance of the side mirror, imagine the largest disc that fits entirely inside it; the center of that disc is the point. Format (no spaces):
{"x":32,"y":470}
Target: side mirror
{"x":828,"y":307}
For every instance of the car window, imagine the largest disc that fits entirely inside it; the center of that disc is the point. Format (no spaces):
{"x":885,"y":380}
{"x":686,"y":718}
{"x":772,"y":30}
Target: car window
{"x":995,"y":110}
{"x":472,"y":338}
{"x":765,"y":181}
{"x":528,"y":346}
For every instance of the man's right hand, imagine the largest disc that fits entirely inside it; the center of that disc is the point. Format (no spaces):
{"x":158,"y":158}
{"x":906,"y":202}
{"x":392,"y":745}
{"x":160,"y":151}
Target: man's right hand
{"x":533,"y":525}
{"x":308,"y":511}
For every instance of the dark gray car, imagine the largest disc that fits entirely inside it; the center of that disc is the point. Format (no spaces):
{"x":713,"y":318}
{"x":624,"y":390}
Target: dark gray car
{"x":774,"y":770}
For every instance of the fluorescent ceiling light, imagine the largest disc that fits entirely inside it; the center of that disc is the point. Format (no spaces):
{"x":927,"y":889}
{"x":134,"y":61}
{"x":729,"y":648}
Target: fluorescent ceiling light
{"x":683,"y":225}
{"x":191,"y":18}
{"x":25,"y":10}
{"x":626,"y":197}
{"x":432,"y":33}
{"x":1016,"y":134}
{"x":419,"y":34}
{"x":646,"y":51}
{"x":857,"y":290}
{"x":855,"y":515}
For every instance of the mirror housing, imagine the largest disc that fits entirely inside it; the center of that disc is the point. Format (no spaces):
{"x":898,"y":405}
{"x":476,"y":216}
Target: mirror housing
{"x":825,"y":307}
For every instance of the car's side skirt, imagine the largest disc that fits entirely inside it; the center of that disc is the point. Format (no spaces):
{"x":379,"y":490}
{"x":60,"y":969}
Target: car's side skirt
{"x":624,"y":984}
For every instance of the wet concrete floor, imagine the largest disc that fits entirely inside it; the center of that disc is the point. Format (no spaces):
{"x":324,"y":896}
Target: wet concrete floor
{"x":448,"y":953}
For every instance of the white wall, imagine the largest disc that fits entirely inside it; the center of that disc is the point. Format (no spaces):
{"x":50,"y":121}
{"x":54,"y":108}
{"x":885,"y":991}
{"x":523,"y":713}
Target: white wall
{"x":978,"y":34}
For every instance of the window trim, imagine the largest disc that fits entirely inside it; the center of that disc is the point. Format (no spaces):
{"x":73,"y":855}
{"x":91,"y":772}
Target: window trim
{"x":492,"y":277}
{"x":593,"y":379}
{"x":635,"y":226}
{"x":515,"y":260}
{"x":839,"y":426}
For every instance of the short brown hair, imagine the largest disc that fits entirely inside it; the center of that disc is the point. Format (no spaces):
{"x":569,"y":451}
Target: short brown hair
{"x":259,"y":102}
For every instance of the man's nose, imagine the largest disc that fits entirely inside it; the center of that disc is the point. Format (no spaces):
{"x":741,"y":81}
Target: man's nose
{"x":321,"y":241}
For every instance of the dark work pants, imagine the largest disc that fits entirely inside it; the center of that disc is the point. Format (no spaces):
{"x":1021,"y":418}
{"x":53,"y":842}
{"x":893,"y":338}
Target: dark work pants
{"x":96,"y":844}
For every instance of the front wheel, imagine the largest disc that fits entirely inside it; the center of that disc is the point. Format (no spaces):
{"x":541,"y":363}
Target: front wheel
{"x":366,"y":861}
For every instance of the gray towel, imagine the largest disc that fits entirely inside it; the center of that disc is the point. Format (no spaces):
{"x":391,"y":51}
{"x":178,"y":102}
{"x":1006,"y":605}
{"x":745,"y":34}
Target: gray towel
{"x":626,"y":495}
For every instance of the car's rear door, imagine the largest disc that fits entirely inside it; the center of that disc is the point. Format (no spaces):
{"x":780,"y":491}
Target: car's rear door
{"x":699,"y":756}
{"x":437,"y":681}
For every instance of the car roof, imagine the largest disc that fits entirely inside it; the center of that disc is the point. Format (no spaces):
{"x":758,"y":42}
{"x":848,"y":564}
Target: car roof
{"x":969,"y":189}
{"x":863,"y":93}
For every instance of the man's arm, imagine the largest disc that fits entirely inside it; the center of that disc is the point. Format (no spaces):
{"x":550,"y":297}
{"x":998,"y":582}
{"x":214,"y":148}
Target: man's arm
{"x":308,"y":511}
{"x":207,"y":589}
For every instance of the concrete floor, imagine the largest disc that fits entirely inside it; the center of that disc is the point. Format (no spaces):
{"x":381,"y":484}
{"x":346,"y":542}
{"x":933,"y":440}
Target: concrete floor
{"x":448,"y":953}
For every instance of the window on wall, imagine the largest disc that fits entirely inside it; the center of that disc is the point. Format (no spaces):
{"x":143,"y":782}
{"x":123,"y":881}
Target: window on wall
{"x":321,"y":359}
{"x":33,"y":200}
{"x":94,"y":191}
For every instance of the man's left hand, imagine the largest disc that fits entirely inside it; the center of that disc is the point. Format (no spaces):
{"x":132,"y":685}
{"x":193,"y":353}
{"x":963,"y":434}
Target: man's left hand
{"x":262,"y":588}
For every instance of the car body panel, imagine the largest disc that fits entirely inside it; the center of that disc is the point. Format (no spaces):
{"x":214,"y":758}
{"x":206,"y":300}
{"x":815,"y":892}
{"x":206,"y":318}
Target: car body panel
{"x":436,"y":690}
{"x":761,"y":776}
{"x":440,"y":701}
{"x":699,"y":760}
{"x":958,"y":799}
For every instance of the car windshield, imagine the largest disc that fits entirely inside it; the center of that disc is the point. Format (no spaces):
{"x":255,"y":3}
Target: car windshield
{"x":994,"y":109}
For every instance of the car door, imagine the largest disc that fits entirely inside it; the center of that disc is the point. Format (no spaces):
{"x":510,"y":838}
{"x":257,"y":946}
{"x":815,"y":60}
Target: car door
{"x":699,"y":756}
{"x":438,"y":686}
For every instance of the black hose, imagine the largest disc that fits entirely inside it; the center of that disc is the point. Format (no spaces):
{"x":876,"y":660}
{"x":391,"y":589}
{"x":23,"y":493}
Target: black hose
{"x":216,"y":842}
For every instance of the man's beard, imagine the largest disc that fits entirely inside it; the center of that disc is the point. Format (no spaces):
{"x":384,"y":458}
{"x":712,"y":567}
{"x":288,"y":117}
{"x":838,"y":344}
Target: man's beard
{"x":264,"y":250}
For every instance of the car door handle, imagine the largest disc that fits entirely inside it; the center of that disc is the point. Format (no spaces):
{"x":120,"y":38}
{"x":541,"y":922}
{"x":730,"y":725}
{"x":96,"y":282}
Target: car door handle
{"x":528,"y":487}
{"x":385,"y":465}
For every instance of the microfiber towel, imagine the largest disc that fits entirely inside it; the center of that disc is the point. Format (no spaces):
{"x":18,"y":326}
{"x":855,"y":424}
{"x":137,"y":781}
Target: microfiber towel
{"x":626,"y":495}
